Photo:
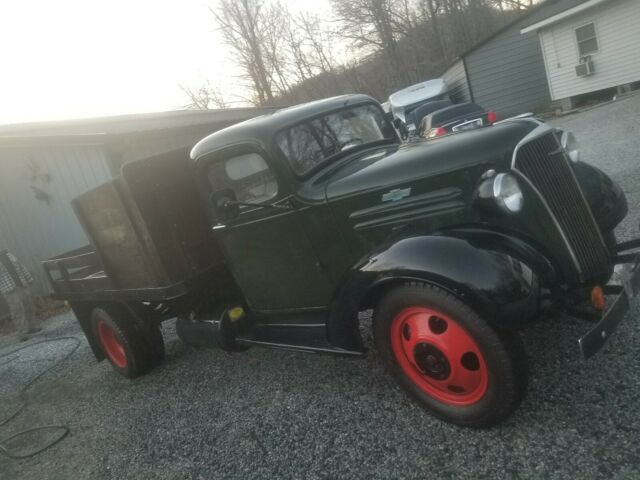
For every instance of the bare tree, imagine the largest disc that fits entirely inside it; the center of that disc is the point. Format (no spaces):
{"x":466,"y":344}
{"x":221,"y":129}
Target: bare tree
{"x":276,"y":46}
{"x":319,"y":42}
{"x":275,"y":49}
{"x":431,"y":10}
{"x":249,"y":28}
{"x":204,"y":97}
{"x":289,"y":58}
{"x":312,"y":57}
{"x":370,"y":23}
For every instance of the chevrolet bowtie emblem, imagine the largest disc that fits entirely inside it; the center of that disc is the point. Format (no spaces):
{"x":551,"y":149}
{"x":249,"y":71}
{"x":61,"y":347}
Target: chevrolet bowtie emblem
{"x":396,"y":194}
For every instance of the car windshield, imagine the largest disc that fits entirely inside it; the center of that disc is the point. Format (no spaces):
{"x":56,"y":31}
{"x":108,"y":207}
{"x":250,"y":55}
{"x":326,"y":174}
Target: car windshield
{"x":313,"y":142}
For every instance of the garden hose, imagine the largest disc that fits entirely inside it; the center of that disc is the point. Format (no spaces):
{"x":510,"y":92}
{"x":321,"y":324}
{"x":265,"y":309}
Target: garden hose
{"x":63,"y":429}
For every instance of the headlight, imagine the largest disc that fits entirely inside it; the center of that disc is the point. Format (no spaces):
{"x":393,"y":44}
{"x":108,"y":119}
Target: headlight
{"x":570,"y":145}
{"x":507,"y":192}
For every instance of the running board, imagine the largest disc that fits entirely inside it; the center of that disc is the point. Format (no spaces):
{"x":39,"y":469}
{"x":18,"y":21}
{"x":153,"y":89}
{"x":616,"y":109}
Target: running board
{"x":628,"y":245}
{"x":297,"y":338}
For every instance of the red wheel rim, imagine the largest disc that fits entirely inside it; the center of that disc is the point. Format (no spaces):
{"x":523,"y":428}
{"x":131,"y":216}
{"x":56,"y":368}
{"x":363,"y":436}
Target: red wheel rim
{"x":112,"y":346}
{"x":439,"y":356}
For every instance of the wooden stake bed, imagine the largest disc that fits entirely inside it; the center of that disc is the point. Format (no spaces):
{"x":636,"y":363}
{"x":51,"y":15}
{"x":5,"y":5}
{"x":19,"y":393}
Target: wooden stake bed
{"x":150,"y":237}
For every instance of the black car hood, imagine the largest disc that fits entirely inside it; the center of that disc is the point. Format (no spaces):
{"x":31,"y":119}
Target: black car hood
{"x":397,"y":164}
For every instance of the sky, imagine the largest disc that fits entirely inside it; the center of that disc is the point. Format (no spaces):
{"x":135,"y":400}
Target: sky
{"x":62,"y":59}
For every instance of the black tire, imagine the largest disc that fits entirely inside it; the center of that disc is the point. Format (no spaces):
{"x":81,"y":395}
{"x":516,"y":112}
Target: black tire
{"x":137,"y":357}
{"x":151,"y":333}
{"x":504,"y":360}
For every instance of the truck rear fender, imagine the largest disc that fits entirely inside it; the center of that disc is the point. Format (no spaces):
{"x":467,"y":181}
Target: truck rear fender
{"x":82,"y":311}
{"x":132,"y":311}
{"x":497,"y":274}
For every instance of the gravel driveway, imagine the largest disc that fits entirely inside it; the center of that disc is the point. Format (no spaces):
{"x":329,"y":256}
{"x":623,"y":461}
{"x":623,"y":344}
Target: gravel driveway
{"x":270,"y":414}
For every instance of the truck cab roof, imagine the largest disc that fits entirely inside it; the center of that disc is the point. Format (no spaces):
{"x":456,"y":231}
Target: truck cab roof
{"x":262,"y":129}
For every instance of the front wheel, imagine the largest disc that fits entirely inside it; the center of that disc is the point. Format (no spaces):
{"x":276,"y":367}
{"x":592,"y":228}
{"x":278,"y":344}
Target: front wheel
{"x":448,"y":357}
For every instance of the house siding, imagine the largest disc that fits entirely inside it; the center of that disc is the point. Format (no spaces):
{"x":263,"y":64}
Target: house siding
{"x":617,"y":60}
{"x":456,"y":79}
{"x":507,"y":73}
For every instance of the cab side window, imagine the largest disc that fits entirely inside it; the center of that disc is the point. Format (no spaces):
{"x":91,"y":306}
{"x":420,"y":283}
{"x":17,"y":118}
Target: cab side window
{"x":248,"y":175}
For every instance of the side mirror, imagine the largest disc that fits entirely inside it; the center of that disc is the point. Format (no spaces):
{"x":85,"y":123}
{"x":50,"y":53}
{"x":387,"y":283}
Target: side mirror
{"x":400,"y":127}
{"x":389,"y":116}
{"x":225,"y":204}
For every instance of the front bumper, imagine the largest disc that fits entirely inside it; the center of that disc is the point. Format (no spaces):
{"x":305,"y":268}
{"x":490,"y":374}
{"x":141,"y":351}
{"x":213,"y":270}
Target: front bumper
{"x":595,"y":338}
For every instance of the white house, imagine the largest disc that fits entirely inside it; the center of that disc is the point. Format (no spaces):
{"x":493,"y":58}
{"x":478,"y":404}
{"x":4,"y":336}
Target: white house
{"x":592,"y":46}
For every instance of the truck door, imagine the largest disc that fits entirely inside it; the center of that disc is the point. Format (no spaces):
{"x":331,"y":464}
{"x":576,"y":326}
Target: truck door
{"x":267,"y":249}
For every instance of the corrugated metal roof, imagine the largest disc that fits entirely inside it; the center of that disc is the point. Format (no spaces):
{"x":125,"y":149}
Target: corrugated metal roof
{"x":123,"y":124}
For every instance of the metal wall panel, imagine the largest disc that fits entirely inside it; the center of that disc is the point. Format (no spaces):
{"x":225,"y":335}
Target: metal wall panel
{"x":456,"y":80}
{"x":36,"y":187}
{"x":507,"y":73}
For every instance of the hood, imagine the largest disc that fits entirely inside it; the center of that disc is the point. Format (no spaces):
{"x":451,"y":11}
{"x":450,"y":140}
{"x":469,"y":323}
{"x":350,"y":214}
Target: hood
{"x":399,"y":164}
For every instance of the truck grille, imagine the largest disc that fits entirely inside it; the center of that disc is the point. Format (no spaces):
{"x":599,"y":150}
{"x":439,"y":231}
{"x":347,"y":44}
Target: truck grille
{"x":545,"y":165}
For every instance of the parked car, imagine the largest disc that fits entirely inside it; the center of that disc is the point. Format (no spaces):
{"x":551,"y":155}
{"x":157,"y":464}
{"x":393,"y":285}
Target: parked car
{"x":404,"y":104}
{"x":427,"y":109}
{"x":278,"y":231}
{"x":455,"y":118}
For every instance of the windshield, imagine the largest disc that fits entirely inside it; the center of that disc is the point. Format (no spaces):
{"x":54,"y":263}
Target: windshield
{"x":311,"y":143}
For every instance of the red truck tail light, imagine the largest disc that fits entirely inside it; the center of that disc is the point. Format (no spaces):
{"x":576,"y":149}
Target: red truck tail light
{"x":436,"y":132}
{"x":492,"y":117}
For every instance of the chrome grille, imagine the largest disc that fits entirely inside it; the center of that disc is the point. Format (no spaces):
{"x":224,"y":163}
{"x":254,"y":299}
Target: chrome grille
{"x":543,"y":162}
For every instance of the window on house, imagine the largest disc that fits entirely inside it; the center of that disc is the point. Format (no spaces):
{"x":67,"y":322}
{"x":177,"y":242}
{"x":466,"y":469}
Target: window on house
{"x":587,"y":41}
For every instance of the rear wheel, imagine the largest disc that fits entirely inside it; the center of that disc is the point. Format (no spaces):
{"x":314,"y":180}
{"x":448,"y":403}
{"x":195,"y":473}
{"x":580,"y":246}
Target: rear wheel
{"x":131,"y":349}
{"x":448,"y":357}
{"x":150,"y":331}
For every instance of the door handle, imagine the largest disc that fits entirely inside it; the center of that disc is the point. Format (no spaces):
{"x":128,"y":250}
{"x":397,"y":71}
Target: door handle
{"x":218,"y":227}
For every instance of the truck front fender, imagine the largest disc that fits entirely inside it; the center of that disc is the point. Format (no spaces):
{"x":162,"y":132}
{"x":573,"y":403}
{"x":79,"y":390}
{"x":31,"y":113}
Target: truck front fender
{"x":604,"y":196}
{"x":495,"y":273}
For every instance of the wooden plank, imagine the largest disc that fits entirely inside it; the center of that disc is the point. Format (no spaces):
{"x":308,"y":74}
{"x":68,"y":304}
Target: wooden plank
{"x":108,"y":224}
{"x":168,"y":204}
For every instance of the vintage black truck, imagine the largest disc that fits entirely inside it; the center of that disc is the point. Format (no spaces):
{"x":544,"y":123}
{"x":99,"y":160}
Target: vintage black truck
{"x":278,"y":231}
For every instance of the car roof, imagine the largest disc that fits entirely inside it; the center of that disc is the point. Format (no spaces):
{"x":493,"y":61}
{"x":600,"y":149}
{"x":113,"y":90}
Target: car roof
{"x":263,"y":128}
{"x":447,"y":114}
{"x":429,"y":107}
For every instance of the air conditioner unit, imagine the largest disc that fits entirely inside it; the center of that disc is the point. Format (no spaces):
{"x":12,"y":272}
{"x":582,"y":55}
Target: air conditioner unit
{"x":585,"y":69}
